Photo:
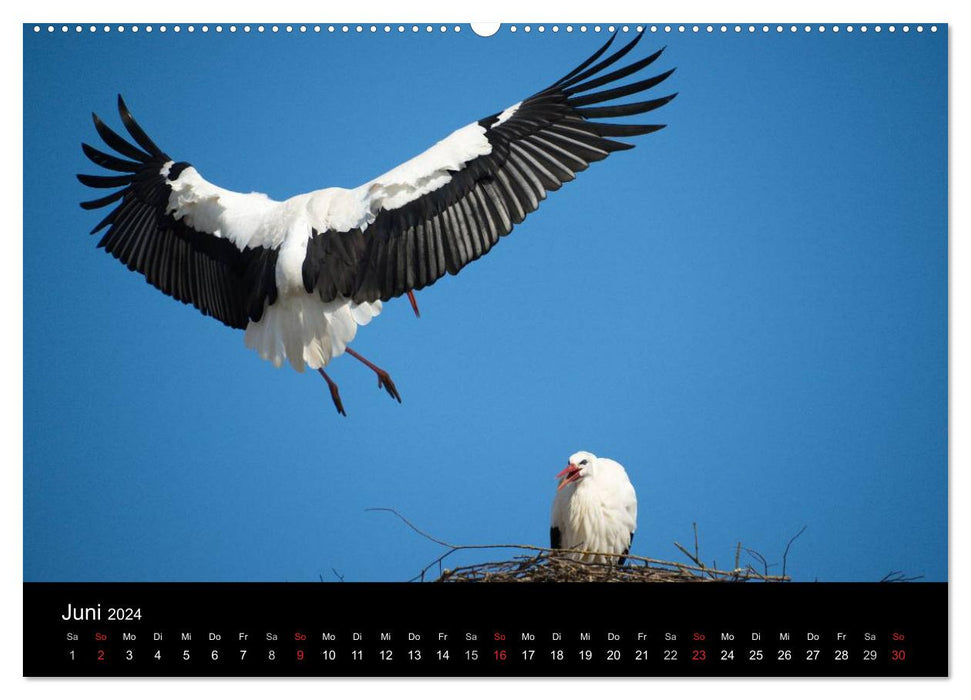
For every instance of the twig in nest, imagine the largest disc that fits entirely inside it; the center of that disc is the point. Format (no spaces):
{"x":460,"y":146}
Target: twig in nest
{"x":899,"y":577}
{"x":785,"y":554}
{"x":700,"y":564}
{"x":696,"y":557}
{"x":758,"y":556}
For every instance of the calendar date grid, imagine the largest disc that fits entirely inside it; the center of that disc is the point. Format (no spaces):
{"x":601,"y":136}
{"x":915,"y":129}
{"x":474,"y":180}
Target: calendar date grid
{"x":315,"y":650}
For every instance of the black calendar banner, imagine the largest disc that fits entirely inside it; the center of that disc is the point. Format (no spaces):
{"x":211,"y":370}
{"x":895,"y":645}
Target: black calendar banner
{"x":334,"y":629}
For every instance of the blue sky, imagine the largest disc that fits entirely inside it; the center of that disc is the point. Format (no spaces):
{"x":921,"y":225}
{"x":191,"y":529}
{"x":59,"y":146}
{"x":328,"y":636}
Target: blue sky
{"x":748,"y":310}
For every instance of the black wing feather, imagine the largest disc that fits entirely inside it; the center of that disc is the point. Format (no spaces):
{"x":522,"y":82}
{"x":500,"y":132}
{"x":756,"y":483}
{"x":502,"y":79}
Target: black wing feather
{"x":606,"y":63}
{"x":194,"y":267}
{"x":549,"y":138}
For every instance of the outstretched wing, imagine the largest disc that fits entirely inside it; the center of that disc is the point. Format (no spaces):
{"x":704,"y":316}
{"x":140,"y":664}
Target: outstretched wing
{"x":194,"y":241}
{"x":450,"y":205}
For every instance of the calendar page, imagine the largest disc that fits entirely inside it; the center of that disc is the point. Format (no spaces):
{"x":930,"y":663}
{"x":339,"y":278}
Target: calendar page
{"x":608,"y":349}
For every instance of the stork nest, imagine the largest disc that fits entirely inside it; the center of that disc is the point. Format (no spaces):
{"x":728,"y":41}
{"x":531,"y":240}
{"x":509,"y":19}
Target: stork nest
{"x":557,"y":565}
{"x":554,"y":565}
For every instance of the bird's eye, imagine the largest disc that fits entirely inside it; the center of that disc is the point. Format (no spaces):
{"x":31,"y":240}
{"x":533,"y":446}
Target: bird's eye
{"x":583,"y":463}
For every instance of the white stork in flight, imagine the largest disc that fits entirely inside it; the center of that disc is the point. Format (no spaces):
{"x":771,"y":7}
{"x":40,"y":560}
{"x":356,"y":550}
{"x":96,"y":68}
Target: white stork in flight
{"x":300,"y":276}
{"x":595,"y":509}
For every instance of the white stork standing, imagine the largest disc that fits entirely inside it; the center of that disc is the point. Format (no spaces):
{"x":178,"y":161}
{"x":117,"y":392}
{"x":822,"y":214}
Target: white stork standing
{"x":300,"y":276}
{"x":595,"y":509}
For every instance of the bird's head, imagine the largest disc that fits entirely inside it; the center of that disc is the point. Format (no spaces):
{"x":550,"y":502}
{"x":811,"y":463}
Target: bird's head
{"x":580,"y":466}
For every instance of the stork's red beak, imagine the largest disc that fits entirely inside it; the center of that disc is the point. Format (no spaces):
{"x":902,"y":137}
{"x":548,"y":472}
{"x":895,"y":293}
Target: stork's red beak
{"x":569,"y":475}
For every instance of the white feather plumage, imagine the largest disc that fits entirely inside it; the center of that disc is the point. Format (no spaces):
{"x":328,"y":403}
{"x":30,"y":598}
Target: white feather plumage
{"x":596,"y":509}
{"x":299,"y":327}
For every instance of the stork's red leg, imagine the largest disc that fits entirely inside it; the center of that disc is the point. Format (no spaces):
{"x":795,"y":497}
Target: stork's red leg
{"x":384,"y":379}
{"x":414,"y":304}
{"x":334,"y":393}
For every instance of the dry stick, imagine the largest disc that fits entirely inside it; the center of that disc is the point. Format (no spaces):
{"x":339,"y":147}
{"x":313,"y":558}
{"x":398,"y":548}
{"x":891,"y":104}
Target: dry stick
{"x":757,"y":555}
{"x":411,"y":525}
{"x":785,"y":554}
{"x":899,"y":577}
{"x":688,"y":554}
{"x":695,"y":559}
